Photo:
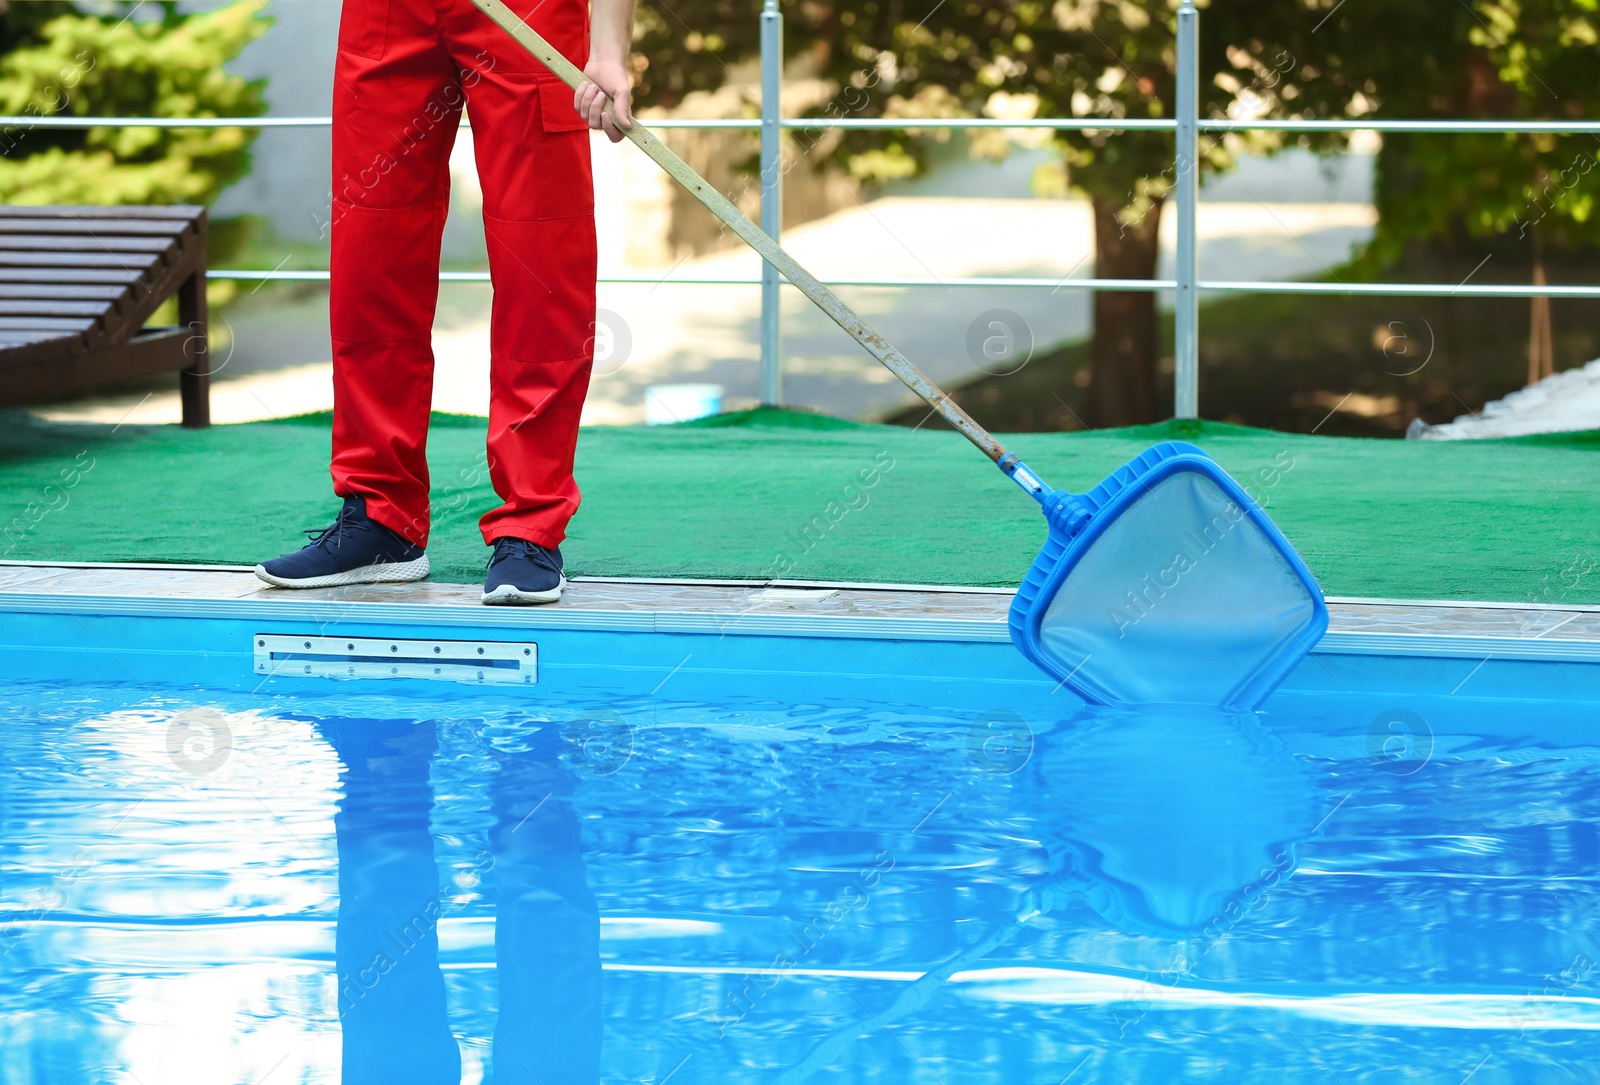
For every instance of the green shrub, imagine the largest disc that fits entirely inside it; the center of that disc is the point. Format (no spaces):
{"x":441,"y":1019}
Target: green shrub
{"x":88,"y":65}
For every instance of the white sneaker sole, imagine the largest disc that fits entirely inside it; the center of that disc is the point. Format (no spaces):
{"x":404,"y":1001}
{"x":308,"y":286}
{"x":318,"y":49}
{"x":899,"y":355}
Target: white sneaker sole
{"x":390,"y":572}
{"x":507,"y":596}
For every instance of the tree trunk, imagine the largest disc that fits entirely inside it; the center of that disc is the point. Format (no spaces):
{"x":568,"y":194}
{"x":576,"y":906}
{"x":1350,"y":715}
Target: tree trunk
{"x":1122,"y":349}
{"x":1541,"y":339}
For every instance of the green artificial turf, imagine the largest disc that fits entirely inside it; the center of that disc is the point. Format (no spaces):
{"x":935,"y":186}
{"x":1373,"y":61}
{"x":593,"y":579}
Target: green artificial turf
{"x":769,"y":494}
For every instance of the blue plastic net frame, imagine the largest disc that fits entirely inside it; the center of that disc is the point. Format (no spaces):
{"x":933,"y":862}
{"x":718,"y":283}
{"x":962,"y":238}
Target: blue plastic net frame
{"x":1078,"y":521}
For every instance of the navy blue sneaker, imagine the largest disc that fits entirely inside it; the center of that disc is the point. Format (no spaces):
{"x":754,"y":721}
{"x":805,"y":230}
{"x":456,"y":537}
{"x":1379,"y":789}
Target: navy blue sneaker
{"x":354,"y":550}
{"x":521,"y":572}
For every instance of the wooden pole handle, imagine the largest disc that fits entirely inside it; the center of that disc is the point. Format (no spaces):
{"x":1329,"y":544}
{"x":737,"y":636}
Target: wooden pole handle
{"x":719,"y":205}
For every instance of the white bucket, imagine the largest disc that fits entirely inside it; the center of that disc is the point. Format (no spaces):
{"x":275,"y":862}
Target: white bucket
{"x":666,"y":403}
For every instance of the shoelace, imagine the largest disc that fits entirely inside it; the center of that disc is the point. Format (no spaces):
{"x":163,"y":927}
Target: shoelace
{"x":507,"y":548}
{"x":334,"y":533}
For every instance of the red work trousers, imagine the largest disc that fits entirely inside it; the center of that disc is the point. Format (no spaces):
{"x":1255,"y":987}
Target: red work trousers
{"x":405,"y":70}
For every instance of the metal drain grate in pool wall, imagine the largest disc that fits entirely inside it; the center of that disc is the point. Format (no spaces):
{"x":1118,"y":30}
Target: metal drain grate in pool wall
{"x":367,"y":657}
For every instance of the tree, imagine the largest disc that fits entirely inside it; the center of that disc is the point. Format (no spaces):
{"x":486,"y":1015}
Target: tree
{"x":1497,"y":59}
{"x":20,"y":20}
{"x":1078,"y":58}
{"x":60,"y":62}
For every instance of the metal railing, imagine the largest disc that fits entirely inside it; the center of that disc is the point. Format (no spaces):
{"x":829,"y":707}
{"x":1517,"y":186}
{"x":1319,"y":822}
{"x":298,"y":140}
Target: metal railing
{"x":1187,"y":125}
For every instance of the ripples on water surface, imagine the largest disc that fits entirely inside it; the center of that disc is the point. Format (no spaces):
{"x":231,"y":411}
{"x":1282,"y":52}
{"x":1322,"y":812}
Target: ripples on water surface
{"x":424,"y":887}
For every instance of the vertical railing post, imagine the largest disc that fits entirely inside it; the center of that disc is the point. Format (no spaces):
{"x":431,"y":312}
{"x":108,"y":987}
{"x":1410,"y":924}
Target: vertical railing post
{"x":771,"y":199}
{"x":1186,"y":315}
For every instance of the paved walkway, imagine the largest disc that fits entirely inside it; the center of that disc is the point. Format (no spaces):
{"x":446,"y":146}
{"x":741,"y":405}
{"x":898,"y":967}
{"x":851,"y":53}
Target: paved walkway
{"x":666,"y":331}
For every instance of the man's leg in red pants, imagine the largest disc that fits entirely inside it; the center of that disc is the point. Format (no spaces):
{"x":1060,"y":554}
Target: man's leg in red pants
{"x":538,"y":214}
{"x":395,"y":112}
{"x":538,"y":217}
{"x":396,"y":104}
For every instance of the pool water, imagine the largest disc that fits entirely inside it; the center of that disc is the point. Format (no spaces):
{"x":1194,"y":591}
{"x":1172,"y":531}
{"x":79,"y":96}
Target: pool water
{"x":396,"y":882}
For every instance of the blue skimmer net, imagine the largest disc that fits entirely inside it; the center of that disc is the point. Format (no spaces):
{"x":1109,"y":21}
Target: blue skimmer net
{"x":1165,"y":584}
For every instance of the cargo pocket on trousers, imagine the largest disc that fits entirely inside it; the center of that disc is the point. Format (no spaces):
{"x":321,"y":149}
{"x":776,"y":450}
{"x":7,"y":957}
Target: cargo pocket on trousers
{"x":556,"y":111}
{"x":364,"y":28}
{"x":567,"y":188}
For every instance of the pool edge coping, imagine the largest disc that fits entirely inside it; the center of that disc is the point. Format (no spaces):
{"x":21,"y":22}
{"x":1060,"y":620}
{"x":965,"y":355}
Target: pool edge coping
{"x":714,"y":614}
{"x":855,"y":585}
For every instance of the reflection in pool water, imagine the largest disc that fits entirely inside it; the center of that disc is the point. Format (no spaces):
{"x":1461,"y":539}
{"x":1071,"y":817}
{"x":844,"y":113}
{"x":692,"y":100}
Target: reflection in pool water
{"x":547,"y":929}
{"x":1172,"y":821}
{"x":392,"y":888}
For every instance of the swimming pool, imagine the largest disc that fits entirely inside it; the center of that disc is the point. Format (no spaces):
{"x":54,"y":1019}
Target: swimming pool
{"x":709,"y":872}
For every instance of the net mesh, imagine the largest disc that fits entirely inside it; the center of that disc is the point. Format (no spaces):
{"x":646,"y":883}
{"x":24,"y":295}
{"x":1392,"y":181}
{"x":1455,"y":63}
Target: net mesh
{"x":1181,"y":600}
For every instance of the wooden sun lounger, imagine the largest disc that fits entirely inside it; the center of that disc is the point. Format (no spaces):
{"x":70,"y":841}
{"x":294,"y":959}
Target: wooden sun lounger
{"x":76,"y":287}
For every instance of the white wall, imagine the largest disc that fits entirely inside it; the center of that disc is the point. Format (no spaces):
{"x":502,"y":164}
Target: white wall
{"x":289,"y":182}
